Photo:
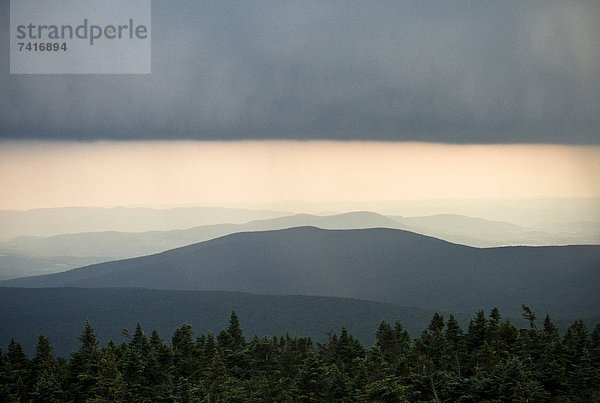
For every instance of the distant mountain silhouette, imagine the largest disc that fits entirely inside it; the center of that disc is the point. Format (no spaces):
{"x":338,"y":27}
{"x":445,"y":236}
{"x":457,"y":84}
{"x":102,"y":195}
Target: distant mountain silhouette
{"x":486,"y":233}
{"x":384,"y":265}
{"x":22,"y":266}
{"x":111,"y":245}
{"x":119,"y":245}
{"x":34,"y":255}
{"x":67,"y":220}
{"x":43,"y":255}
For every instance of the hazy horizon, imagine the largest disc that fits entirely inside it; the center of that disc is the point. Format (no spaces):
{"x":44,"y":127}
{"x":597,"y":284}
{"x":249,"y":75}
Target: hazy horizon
{"x":265,"y":173}
{"x":397,"y":158}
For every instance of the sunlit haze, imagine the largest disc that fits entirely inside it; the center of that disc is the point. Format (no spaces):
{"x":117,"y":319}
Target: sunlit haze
{"x":34,"y":175}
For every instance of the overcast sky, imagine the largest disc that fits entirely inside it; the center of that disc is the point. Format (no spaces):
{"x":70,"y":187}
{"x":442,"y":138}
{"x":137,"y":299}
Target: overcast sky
{"x":443,"y":71}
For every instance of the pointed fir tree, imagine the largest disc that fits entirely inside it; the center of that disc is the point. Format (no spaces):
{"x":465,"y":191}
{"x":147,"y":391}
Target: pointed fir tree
{"x":214,"y":374}
{"x":578,"y":365}
{"x":111,"y":384}
{"x":346,"y":351}
{"x":433,"y":344}
{"x":475,"y":340}
{"x":160,"y":367}
{"x":396,"y":346}
{"x":493,"y":326}
{"x":549,"y":369}
{"x":83,"y":367}
{"x":46,"y":380}
{"x":235,"y":352}
{"x":476,"y":333}
{"x":456,"y":347}
{"x":43,"y":359}
{"x":235,"y":331}
{"x":384,"y":338}
{"x":136,"y":366}
{"x":17,"y":374}
{"x":185,"y":356}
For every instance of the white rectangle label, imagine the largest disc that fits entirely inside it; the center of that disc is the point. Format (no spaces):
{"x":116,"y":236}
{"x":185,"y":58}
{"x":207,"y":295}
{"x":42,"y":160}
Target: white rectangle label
{"x":80,"y":36}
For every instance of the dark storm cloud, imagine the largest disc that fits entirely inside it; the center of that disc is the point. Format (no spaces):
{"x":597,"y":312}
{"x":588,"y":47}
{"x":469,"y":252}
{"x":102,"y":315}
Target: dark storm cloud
{"x":457,"y":72}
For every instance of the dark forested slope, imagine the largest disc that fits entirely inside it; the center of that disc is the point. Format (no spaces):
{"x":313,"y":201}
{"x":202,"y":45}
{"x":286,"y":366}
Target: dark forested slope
{"x":59,"y":313}
{"x":376,"y":264}
{"x":490,"y":361}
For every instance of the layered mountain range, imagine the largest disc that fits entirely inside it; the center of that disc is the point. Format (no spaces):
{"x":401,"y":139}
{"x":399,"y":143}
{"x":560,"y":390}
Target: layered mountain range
{"x":380,"y":264}
{"x":292,"y":271}
{"x":30,"y":255}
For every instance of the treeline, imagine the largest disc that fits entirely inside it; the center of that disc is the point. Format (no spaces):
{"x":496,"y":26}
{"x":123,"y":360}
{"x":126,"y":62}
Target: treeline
{"x":492,"y":361}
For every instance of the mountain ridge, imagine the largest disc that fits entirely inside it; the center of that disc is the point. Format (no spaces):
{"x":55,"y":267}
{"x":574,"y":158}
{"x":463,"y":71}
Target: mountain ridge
{"x":386,"y":265}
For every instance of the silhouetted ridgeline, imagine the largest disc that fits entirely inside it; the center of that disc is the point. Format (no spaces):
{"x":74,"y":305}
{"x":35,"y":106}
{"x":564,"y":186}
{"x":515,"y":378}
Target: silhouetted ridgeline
{"x":33,"y":255}
{"x":385,"y":265}
{"x":491,"y":361}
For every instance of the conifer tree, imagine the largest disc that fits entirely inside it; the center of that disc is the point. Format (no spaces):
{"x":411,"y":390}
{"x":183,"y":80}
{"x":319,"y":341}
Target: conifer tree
{"x":394,"y":345}
{"x":292,"y":351}
{"x":580,"y":371}
{"x":529,"y":316}
{"x":46,"y":382}
{"x":235,"y":331}
{"x":83,"y":368}
{"x":533,"y":364}
{"x":265,"y":369}
{"x":17,"y":374}
{"x":214,"y":374}
{"x":183,"y":392}
{"x":111,"y":383}
{"x":136,"y":366}
{"x":43,"y":359}
{"x":233,"y":346}
{"x":508,"y":337}
{"x":511,"y":381}
{"x":433,"y":343}
{"x":346,"y":350}
{"x":475,"y":339}
{"x":530,"y":337}
{"x":385,"y":337}
{"x":550,"y":369}
{"x":310,"y":384}
{"x":595,"y":346}
{"x":456,"y":347}
{"x":159,"y":367}
{"x":185,"y":356}
{"x":495,"y":347}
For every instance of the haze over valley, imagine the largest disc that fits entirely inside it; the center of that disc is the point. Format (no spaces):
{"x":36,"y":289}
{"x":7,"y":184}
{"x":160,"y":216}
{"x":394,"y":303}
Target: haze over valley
{"x":28,"y":255}
{"x":416,"y":226}
{"x":392,"y":201}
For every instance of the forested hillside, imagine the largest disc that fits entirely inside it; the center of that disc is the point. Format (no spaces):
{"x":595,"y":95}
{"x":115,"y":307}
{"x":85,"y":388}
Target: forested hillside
{"x":491,"y":360}
{"x":59,"y":312}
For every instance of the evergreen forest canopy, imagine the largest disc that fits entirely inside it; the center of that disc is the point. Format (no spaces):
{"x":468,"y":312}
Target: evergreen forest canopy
{"x":491,"y":361}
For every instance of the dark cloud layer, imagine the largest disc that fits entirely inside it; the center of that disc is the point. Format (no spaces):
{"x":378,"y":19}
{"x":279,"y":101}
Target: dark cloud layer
{"x":452,"y":71}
